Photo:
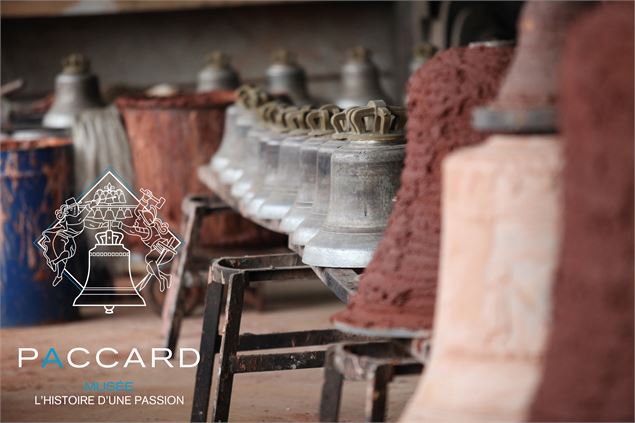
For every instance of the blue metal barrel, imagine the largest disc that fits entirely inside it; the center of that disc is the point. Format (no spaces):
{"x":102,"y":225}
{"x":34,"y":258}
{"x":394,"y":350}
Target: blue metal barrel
{"x":35,"y":179}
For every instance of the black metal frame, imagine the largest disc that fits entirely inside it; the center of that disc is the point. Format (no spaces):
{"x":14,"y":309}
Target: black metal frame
{"x":194,"y":209}
{"x":375,"y":362}
{"x":236,"y":274}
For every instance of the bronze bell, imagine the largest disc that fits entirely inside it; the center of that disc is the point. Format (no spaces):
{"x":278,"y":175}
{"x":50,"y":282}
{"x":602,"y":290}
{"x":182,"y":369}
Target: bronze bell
{"x":245,"y":120}
{"x":286,"y":76}
{"x":313,"y":221}
{"x":319,"y":121}
{"x":360,"y":79}
{"x":242,"y":187}
{"x":270,"y":162}
{"x":76,"y":89}
{"x":252,"y":180}
{"x":218,"y":74}
{"x":221,"y":158}
{"x":365,"y":177}
{"x":287,"y":184}
{"x":421,"y":54}
{"x":101,"y":293}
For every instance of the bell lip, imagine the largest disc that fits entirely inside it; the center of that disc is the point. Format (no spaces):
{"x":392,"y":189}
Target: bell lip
{"x":208,"y":177}
{"x":251,"y":209}
{"x":230,"y":174}
{"x":384,"y":332}
{"x":55,"y":120}
{"x":218,"y":163}
{"x":344,"y":258}
{"x":294,"y":218}
{"x":298,"y":249}
{"x":311,"y":225}
{"x":344,"y":253}
{"x":271,"y":224}
{"x":531,"y":120}
{"x":132,"y":293}
{"x":241,"y":187}
{"x":273,"y":211}
{"x":278,"y":203}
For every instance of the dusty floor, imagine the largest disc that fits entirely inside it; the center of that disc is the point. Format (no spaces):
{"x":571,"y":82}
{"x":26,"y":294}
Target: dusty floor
{"x":274,"y":396}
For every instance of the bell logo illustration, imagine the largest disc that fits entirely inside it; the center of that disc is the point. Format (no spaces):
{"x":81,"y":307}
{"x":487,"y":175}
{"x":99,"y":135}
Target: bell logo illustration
{"x":105,"y":216}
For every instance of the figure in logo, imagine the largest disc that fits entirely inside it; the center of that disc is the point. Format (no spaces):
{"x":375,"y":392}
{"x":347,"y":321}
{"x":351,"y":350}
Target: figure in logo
{"x":110,"y":205}
{"x":58,"y":242}
{"x":155,"y":234}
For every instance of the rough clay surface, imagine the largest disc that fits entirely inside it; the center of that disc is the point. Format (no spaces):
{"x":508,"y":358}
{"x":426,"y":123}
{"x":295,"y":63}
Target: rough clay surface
{"x":499,"y":255}
{"x":169,"y":139}
{"x":588,"y":372}
{"x":398,"y":288}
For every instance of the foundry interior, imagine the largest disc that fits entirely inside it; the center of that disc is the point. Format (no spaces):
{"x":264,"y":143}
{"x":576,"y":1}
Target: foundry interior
{"x":409,"y":211}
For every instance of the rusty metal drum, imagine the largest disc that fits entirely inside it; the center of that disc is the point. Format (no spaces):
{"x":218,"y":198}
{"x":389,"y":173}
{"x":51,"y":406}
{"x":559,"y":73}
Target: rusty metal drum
{"x":36,"y":177}
{"x":169,"y":139}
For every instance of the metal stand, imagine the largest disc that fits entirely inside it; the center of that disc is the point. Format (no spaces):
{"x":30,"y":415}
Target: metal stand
{"x":375,"y":362}
{"x":188,"y":267}
{"x":236,"y":274}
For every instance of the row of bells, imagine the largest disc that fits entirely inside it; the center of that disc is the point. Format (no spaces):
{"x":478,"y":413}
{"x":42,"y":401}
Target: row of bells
{"x":77,"y":88}
{"x":326,"y":177}
{"x":359,"y":75}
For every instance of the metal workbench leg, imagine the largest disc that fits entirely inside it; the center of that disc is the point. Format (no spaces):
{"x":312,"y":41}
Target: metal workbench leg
{"x":377,"y":395}
{"x":229,"y":346}
{"x":194,"y":208}
{"x":207,"y":350}
{"x":331,"y":389}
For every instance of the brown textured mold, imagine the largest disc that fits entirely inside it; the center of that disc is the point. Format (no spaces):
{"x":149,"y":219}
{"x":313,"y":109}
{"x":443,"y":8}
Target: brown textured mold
{"x":588,"y":373}
{"x":170,"y":137}
{"x":398,"y":288}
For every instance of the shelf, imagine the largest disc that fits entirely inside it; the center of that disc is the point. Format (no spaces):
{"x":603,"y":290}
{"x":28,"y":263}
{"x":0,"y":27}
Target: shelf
{"x":31,"y":9}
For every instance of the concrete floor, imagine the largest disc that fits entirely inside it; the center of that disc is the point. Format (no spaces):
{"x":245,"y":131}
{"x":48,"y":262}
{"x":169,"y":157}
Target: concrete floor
{"x":267,"y":397}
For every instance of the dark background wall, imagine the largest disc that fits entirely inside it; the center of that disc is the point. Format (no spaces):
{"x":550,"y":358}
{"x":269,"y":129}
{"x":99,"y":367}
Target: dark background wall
{"x":141,"y":49}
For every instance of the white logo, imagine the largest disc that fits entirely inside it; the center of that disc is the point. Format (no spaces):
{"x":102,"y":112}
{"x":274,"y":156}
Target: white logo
{"x":105,"y":214}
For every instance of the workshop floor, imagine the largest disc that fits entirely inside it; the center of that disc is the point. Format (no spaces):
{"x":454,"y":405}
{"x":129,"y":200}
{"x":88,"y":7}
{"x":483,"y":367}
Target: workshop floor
{"x":267,"y":397}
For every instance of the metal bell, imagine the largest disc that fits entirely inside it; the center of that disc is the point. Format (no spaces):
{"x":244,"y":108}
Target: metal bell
{"x":421,"y":54}
{"x":365,"y":176}
{"x":101,"y":293}
{"x":360,"y":79}
{"x":269,"y":160}
{"x":319,"y":121}
{"x":243,"y":186}
{"x":287,"y":183}
{"x":218,"y":74}
{"x":248,"y":103}
{"x":76,"y":89}
{"x":313,"y":221}
{"x":255,"y":175}
{"x":220,"y":159}
{"x":286,"y":76}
